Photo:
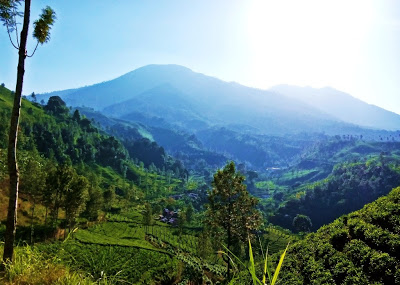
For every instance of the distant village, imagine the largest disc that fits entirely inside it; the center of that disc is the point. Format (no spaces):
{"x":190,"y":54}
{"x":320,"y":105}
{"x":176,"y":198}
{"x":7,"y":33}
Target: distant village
{"x":171,"y":216}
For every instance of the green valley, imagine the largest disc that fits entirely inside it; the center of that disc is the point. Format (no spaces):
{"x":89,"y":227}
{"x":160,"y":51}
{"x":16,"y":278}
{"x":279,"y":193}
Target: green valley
{"x":122,"y":185}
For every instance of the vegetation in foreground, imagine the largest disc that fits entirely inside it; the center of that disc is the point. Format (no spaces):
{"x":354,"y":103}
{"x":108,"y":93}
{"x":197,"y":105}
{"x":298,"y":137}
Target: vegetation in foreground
{"x":31,"y":266}
{"x":127,"y":195}
{"x":362,"y":247}
{"x":348,"y":188}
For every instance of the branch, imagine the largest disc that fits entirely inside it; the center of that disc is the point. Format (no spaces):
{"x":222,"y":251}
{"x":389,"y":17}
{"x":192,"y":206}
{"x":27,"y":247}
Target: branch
{"x":37,"y":44}
{"x":9,"y":36}
{"x":16,"y":26}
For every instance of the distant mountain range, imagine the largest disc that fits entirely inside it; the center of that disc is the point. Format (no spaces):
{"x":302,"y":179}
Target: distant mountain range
{"x":342,"y":106}
{"x":195,"y":101}
{"x":195,"y":117}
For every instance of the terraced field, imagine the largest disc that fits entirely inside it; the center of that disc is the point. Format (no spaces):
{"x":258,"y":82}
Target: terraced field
{"x":115,"y":233}
{"x":133,"y":235}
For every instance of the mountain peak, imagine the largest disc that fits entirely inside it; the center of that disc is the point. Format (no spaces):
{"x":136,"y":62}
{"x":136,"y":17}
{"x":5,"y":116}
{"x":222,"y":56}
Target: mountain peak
{"x":233,"y":103}
{"x":160,"y":68}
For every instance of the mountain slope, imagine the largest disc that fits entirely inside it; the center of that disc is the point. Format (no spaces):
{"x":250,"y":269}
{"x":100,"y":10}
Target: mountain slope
{"x":348,"y":188}
{"x":343,"y":106}
{"x":360,"y":248}
{"x":200,"y":96}
{"x":163,"y":101}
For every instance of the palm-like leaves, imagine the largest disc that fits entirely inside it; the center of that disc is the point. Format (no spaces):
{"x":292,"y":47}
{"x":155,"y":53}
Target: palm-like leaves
{"x":252,"y":268}
{"x":42,"y":26}
{"x":9,"y":12}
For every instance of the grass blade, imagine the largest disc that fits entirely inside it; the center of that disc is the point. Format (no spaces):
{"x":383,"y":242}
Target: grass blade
{"x":278,"y":268}
{"x":266,"y":270}
{"x":252,"y":268}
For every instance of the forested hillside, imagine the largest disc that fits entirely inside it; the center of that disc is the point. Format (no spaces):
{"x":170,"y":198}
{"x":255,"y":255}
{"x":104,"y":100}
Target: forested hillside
{"x":348,"y":188}
{"x":360,"y":248}
{"x":60,"y":151}
{"x":162,"y":144}
{"x":115,"y":183}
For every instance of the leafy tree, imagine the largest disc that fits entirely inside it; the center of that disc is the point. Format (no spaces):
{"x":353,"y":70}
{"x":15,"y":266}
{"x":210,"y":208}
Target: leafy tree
{"x":189,"y":213}
{"x":181,"y":221}
{"x":33,"y":181}
{"x":251,"y":175}
{"x":231,"y":212}
{"x":147,"y":215}
{"x":9,"y":13}
{"x":75,"y":198}
{"x":76,"y":116}
{"x":94,"y":203}
{"x":109,"y":197}
{"x":58,"y":183}
{"x":47,"y":192}
{"x":204,"y":247}
{"x":157,"y":208}
{"x":57,"y":107}
{"x":302,"y":223}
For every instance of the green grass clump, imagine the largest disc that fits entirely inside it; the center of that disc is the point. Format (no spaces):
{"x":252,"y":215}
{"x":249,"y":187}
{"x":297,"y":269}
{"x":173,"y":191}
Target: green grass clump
{"x":267,"y":277}
{"x":115,"y":233}
{"x":30,"y":266}
{"x":115,"y":264}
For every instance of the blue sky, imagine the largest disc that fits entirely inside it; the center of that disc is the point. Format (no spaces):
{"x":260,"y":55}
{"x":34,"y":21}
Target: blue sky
{"x":352,"y":46}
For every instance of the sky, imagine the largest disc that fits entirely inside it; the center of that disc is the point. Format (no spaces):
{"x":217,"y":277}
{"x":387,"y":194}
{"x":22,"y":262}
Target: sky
{"x":350,"y":45}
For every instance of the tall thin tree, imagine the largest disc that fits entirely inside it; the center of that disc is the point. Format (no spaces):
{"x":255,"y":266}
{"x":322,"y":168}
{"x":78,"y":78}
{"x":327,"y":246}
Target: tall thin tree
{"x":9,"y":14}
{"x":231,"y":213}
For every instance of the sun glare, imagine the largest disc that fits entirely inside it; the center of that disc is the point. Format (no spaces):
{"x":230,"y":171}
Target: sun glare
{"x":294,"y":41}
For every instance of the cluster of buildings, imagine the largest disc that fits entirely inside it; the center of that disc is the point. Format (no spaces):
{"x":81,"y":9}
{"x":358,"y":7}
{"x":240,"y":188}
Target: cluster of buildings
{"x":169,"y":216}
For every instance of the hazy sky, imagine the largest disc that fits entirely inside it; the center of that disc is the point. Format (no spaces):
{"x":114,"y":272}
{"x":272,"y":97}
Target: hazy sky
{"x":353,"y":46}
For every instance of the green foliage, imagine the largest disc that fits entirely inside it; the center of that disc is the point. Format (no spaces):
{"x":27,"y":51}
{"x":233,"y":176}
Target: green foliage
{"x":31,"y":266}
{"x":56,"y":107}
{"x":182,"y":219}
{"x":231,"y":212}
{"x":189,"y":213}
{"x":109,"y":197}
{"x":8,"y":13}
{"x":348,"y":188}
{"x":154,"y":157}
{"x":33,"y":175}
{"x":42,"y":26}
{"x":360,"y":248}
{"x":147,"y":215}
{"x":75,"y":198}
{"x":66,"y":158}
{"x":115,"y":233}
{"x":115,"y":264}
{"x":265,"y":185}
{"x":94,"y":203}
{"x":251,"y":268}
{"x":302,"y":223}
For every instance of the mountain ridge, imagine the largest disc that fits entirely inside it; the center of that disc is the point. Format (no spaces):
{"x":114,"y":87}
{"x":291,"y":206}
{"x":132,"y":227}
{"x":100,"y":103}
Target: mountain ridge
{"x":271,"y":111}
{"x":343,"y":106}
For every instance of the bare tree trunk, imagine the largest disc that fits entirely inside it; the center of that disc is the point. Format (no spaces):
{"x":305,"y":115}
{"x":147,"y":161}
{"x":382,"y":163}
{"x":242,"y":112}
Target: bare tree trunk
{"x":12,"y":143}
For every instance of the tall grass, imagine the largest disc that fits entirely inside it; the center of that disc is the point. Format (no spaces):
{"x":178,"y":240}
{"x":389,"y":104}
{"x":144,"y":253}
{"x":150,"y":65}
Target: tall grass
{"x":251,"y":267}
{"x":31,"y":267}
